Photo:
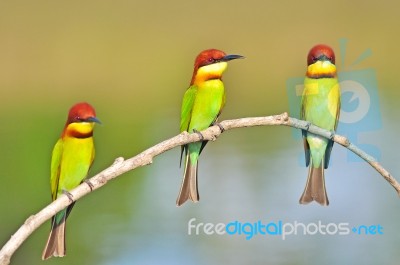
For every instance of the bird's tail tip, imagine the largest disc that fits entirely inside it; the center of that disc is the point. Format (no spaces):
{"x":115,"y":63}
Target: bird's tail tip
{"x":315,"y":187}
{"x":55,"y":246}
{"x":189,"y":189}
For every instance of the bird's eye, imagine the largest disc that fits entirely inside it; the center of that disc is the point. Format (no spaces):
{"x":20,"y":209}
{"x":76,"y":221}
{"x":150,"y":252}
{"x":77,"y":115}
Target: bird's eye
{"x":210,"y":60}
{"x":315,"y":59}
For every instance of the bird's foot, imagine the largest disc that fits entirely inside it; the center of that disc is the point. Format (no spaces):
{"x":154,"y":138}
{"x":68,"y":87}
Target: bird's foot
{"x":199,"y":134}
{"x":69,"y":195}
{"x":221,"y":128}
{"x":332,"y":135}
{"x":308,"y":124}
{"x":91,"y":186}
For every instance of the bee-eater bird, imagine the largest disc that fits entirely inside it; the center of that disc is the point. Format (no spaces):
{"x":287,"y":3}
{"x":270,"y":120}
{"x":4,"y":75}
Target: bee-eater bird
{"x":72,"y":157}
{"x":320,"y":105}
{"x":201,"y":106}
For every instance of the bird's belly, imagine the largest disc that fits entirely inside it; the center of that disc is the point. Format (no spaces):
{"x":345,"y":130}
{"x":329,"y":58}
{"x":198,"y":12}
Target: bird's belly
{"x":322,"y":103}
{"x":76,"y":160}
{"x":207,"y":106}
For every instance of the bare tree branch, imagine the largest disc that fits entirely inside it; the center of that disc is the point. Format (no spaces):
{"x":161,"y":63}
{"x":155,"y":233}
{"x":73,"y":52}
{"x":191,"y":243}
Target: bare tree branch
{"x":120,"y":166}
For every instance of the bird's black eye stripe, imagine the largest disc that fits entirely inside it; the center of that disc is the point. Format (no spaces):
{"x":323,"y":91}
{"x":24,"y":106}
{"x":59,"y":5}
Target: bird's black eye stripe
{"x":210,"y":60}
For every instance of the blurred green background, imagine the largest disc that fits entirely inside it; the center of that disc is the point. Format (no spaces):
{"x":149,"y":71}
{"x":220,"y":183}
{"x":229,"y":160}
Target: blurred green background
{"x":132,"y":60}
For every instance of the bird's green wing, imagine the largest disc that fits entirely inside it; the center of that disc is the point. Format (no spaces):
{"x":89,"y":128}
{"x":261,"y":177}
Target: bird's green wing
{"x":187,"y":107}
{"x":330,"y":142}
{"x":186,"y":112}
{"x":55,"y":168}
{"x":304,"y":133}
{"x":339,"y":104}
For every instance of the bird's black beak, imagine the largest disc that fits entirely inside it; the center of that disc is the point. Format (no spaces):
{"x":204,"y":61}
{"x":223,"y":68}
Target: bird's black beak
{"x":93,"y":119}
{"x":230,"y":57}
{"x":323,"y":57}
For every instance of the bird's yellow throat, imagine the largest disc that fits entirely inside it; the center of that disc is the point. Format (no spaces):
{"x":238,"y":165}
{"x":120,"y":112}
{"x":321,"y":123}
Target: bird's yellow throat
{"x":321,"y":69}
{"x":211,"y":71}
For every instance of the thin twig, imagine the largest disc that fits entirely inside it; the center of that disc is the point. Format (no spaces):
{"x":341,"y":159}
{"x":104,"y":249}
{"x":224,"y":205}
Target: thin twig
{"x":120,"y":166}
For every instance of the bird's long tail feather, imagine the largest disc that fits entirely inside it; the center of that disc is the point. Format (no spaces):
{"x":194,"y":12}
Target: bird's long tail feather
{"x":189,"y":184}
{"x":315,"y":186}
{"x":55,"y":245}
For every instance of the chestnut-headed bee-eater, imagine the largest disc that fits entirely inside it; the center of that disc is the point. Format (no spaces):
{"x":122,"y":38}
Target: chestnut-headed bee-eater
{"x":201,"y":106}
{"x":72,"y":157}
{"x":320,"y":105}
